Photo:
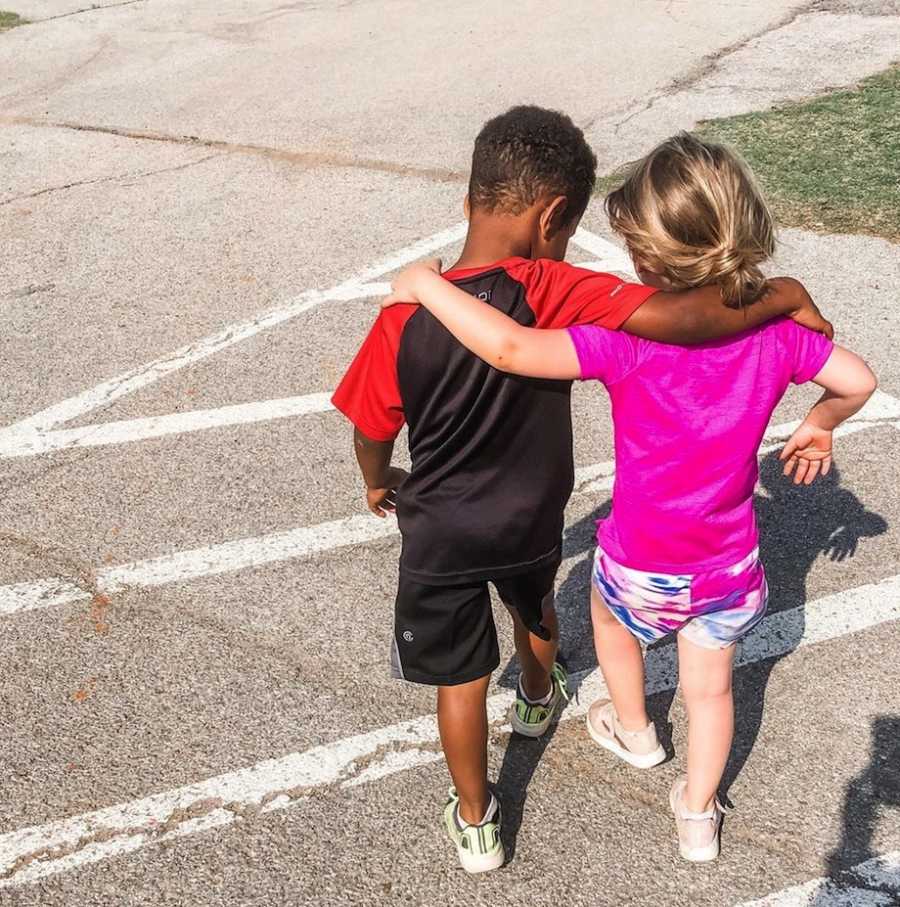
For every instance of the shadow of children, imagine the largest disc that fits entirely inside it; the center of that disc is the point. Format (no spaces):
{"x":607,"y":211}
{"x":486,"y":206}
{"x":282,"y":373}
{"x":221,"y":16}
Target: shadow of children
{"x":873,"y":789}
{"x":797,"y":524}
{"x":523,"y":755}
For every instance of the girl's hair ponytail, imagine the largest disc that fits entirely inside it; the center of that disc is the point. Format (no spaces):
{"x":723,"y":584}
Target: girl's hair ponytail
{"x":691,"y":211}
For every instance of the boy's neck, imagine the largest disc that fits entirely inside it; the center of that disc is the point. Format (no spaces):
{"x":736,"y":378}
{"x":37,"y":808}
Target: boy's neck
{"x":492,"y":238}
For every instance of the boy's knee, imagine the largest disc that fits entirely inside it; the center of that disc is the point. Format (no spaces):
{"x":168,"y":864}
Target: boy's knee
{"x":548,"y":615}
{"x":548,"y":605}
{"x":471,"y":694}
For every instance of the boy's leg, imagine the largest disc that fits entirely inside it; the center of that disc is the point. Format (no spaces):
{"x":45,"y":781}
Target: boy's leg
{"x":463,"y":724}
{"x":621,"y":663}
{"x":445,"y":636}
{"x":542,"y":681}
{"x":536,"y":655}
{"x":705,"y":678}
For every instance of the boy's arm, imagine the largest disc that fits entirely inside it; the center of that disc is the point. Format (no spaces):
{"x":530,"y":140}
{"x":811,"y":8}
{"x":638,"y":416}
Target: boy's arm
{"x":688,"y":317}
{"x":369,"y":396}
{"x":487,"y":332}
{"x":382,"y":480}
{"x":848,"y":383}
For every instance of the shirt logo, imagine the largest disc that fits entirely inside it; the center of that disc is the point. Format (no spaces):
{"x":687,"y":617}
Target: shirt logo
{"x":407,"y":635}
{"x":484,"y":296}
{"x":621,"y":286}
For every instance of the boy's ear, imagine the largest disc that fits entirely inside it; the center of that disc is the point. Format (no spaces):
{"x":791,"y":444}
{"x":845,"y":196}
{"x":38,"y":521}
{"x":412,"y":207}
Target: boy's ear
{"x":553,"y":217}
{"x":467,"y":208}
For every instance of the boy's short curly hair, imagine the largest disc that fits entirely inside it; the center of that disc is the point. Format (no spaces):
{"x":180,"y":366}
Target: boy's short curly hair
{"x":528,"y":153}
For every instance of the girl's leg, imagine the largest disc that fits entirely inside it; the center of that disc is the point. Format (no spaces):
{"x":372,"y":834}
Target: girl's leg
{"x":705,"y":677}
{"x":622,"y":664}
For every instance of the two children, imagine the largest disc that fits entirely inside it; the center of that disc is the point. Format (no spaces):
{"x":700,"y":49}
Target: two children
{"x":492,"y":453}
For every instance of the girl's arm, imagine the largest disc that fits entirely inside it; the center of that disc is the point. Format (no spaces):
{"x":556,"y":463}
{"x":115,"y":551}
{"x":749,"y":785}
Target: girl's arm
{"x":848,"y":383}
{"x":488,"y":333}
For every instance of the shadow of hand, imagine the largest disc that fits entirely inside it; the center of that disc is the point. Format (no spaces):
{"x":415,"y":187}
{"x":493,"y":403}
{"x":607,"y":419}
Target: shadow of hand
{"x":841,"y":544}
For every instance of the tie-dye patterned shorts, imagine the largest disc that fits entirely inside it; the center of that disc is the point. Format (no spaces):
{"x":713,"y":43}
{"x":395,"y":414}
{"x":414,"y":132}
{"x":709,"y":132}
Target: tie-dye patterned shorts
{"x":712,"y":609}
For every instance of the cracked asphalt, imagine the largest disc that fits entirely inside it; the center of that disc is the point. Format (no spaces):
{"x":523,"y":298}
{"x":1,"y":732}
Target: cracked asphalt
{"x":170,"y":168}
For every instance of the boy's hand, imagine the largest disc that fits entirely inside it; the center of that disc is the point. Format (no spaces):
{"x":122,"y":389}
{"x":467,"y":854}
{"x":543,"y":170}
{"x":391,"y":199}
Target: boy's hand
{"x":808,"y":451}
{"x":806,"y":311}
{"x":403,"y":286}
{"x":382,"y":501}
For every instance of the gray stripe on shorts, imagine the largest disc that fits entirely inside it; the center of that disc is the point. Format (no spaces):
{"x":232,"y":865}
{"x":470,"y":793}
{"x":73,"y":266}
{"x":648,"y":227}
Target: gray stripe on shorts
{"x":396,"y":664}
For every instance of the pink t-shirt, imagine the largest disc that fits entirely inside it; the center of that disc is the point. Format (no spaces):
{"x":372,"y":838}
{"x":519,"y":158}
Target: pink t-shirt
{"x":688,"y":425}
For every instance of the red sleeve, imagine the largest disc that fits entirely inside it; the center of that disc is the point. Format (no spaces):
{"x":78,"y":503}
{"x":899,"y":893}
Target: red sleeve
{"x":369,"y":393}
{"x":562,"y":295}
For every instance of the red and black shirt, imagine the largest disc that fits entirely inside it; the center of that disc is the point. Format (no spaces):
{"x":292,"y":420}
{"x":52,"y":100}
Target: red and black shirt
{"x":491,"y":453}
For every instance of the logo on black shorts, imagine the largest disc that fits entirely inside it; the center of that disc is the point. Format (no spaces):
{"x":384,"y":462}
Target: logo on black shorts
{"x":407,"y":635}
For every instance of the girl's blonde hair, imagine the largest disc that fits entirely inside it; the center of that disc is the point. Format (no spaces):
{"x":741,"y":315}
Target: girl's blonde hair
{"x":691,"y":211}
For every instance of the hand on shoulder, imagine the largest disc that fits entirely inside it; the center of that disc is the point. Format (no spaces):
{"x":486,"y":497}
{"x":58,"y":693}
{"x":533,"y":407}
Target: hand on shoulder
{"x":404,"y":287}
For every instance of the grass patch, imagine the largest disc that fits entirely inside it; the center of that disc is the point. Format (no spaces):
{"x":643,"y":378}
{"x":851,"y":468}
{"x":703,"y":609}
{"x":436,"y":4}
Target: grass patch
{"x":831,"y":164}
{"x":10,"y":20}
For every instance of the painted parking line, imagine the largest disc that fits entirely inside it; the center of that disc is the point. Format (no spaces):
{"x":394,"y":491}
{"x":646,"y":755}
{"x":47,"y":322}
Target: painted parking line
{"x":257,"y":551}
{"x":32,"y":853}
{"x":27,"y":443}
{"x":129,"y":430}
{"x":874,"y":883}
{"x":40,"y":433}
{"x":211,"y":560}
{"x":610,"y":256}
{"x":145,"y":375}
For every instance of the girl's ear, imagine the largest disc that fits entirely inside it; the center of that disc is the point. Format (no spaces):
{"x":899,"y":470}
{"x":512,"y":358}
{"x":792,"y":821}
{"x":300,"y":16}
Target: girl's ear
{"x":467,"y":210}
{"x":553,"y":217}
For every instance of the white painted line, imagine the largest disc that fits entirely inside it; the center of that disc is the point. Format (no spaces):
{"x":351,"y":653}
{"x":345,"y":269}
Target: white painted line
{"x":32,"y":436}
{"x":597,"y":246}
{"x":128,"y":430}
{"x":228,"y":557}
{"x":37,"y":435}
{"x":144,"y":375}
{"x":610,"y":257}
{"x":33,"y":853}
{"x":882,"y":872}
{"x":211,"y":560}
{"x":881,"y":408}
{"x":880,"y":885}
{"x":242,"y":554}
{"x":619,"y":266}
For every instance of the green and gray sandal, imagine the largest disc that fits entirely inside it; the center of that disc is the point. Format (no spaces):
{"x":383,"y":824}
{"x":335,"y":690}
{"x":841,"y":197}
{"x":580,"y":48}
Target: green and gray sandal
{"x":531,"y":719}
{"x":478,"y":846}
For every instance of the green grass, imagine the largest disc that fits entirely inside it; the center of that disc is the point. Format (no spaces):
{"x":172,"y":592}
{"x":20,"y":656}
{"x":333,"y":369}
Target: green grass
{"x":831,"y":164}
{"x":10,"y":20}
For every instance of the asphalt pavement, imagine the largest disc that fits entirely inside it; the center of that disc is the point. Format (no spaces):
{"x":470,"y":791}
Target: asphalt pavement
{"x":200,"y":204}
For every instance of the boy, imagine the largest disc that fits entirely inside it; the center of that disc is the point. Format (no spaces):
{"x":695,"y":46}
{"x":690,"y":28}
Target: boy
{"x":492,"y":466}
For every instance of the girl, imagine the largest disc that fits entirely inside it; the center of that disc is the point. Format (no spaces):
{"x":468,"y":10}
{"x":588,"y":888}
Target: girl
{"x":678,"y":553}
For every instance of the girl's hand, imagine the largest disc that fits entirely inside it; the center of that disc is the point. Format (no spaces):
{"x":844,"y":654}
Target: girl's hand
{"x":808,"y":450}
{"x":403,"y":286}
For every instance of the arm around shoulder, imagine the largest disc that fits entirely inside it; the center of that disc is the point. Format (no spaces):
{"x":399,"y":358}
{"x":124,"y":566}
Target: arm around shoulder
{"x":689,"y":317}
{"x":489,"y":333}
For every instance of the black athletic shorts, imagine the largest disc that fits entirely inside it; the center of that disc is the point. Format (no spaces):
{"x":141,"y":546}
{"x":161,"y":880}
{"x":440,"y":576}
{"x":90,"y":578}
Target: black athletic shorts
{"x":444,"y":635}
